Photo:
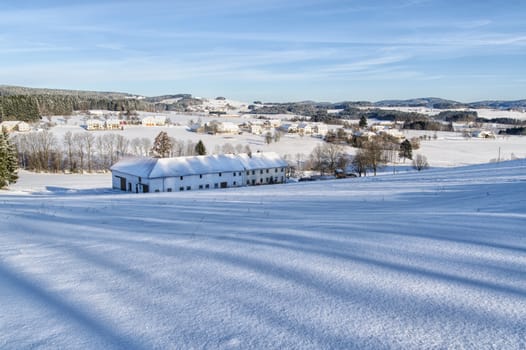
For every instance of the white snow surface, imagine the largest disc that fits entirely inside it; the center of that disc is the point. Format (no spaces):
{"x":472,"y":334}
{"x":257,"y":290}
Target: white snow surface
{"x":428,"y":260}
{"x":182,"y":166}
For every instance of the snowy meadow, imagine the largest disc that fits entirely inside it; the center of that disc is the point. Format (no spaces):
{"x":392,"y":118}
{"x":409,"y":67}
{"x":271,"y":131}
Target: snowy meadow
{"x":435,"y":259}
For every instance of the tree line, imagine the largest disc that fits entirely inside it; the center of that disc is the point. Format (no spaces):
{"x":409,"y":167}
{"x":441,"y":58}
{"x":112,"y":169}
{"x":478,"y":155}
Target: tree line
{"x":84,"y":152}
{"x":372,"y":154}
{"x":30,"y":108}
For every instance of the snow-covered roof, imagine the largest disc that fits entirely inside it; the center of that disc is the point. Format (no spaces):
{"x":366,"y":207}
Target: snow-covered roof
{"x":135,"y":166}
{"x":262,"y":160}
{"x":184,"y":166}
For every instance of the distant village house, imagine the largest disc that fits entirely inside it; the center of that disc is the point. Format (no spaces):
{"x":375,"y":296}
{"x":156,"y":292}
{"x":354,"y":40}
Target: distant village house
{"x":14,"y":125}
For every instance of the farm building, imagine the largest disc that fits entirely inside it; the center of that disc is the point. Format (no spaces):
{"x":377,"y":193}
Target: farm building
{"x":95,"y":124}
{"x":154,"y":121}
{"x":263,"y":168}
{"x":14,"y":125}
{"x":320,"y":129}
{"x":113,"y":124}
{"x":197,"y":173}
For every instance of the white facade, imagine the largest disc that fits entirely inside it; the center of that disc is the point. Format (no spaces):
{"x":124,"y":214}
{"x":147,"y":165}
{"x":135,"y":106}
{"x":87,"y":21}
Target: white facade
{"x":14,"y":125}
{"x":197,"y":173}
{"x":304,"y":128}
{"x":320,"y":129}
{"x":256,"y":129}
{"x":94,"y":124}
{"x":289,"y":128}
{"x":113,"y":124}
{"x":227,"y":128}
{"x":154,"y":121}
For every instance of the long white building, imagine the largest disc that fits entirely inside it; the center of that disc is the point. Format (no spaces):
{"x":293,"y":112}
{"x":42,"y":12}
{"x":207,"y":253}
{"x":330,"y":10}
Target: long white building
{"x":197,"y":173}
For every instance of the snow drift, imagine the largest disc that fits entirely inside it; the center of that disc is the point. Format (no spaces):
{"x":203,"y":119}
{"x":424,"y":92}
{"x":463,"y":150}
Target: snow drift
{"x":420,"y":260}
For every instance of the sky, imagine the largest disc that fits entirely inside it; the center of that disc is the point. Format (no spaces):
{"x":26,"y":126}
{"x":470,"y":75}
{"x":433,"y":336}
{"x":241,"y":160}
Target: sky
{"x":270,"y":50}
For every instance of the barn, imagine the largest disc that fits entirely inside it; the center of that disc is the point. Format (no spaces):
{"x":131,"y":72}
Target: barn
{"x":142,"y":175}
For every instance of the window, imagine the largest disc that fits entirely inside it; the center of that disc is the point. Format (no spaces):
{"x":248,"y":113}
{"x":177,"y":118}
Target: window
{"x":169,"y":190}
{"x":181,"y":177}
{"x":216,"y":185}
{"x":282,"y":169}
{"x":248,"y":172}
{"x":276,"y":170}
{"x":234,"y":183}
{"x":207,"y":186}
{"x":220,"y":174}
{"x":200,"y":176}
{"x":253,"y":172}
{"x":181,"y":188}
{"x":248,"y":182}
{"x":261,"y":171}
{"x":200,"y":187}
{"x":188,"y":188}
{"x":235,"y":174}
{"x":140,"y":179}
{"x":267,"y":171}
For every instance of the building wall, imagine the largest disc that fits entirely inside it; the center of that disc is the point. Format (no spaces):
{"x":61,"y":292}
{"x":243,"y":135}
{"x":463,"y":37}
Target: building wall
{"x":263,"y":176}
{"x":202,"y":181}
{"x":178,"y":183}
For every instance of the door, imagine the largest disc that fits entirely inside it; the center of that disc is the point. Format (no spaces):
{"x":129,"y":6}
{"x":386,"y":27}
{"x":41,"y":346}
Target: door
{"x":123,"y":183}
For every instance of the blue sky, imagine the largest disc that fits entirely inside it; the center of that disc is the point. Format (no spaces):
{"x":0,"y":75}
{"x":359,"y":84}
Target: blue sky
{"x":271,"y":50}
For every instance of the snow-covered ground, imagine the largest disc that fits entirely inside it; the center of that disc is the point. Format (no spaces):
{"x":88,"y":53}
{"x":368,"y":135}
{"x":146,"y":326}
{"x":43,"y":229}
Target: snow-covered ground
{"x":486,"y":113}
{"x":435,"y":259}
{"x":448,"y":149}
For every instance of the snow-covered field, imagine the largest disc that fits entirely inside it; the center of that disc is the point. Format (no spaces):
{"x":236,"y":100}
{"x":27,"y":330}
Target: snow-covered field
{"x":448,"y":149}
{"x":426,"y":260}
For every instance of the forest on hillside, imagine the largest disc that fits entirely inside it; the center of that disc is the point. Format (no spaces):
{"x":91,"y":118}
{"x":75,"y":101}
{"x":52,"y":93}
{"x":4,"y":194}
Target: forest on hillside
{"x":30,"y":104}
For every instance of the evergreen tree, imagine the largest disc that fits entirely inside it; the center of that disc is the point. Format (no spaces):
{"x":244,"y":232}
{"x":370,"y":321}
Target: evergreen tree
{"x":406,"y":150}
{"x":8,"y":161}
{"x":162,"y":145}
{"x":363,"y":122}
{"x":200,"y":148}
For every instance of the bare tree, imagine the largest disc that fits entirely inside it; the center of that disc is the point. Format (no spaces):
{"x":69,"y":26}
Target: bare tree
{"x":41,"y":151}
{"x":247,"y":150}
{"x":325,"y":157}
{"x":268,"y":137}
{"x":420,"y":162}
{"x":122,"y":145}
{"x":69,"y":144}
{"x":190,"y":148}
{"x":374,"y":154}
{"x":227,"y":148}
{"x":79,"y":148}
{"x":360,"y":162}
{"x":89,"y":143}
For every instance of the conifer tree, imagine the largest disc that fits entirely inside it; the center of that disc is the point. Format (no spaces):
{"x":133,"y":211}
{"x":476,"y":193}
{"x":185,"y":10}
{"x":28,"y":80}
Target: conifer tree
{"x":200,"y":148}
{"x":406,"y":150}
{"x":8,"y":161}
{"x":162,"y":145}
{"x":363,"y":122}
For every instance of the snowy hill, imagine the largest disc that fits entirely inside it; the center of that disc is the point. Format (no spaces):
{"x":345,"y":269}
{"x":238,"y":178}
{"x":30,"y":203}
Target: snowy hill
{"x":417,"y":260}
